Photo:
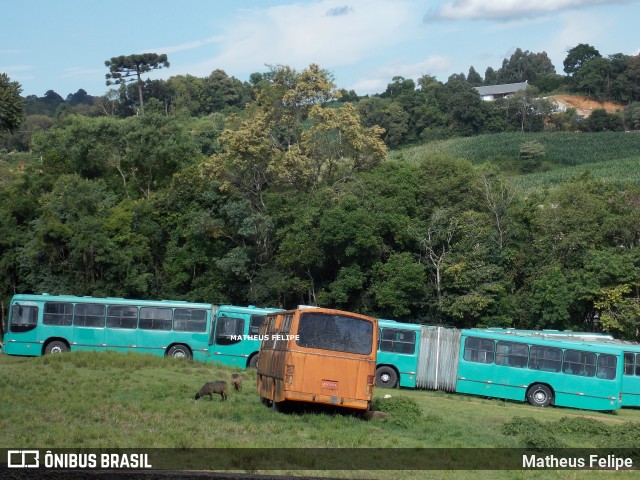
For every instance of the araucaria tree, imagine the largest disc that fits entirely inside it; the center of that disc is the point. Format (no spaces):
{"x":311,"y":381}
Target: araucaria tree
{"x":130,"y":68}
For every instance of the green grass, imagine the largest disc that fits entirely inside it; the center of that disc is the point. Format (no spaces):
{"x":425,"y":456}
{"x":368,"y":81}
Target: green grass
{"x":562,"y":148}
{"x":111,"y":400}
{"x":619,"y":172}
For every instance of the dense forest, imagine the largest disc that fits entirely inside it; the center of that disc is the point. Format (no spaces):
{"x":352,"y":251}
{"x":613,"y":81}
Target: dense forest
{"x":280,"y":191}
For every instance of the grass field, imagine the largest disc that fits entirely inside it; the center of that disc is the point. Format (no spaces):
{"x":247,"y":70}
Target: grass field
{"x":618,"y":172}
{"x":561,"y":148}
{"x":111,"y":400}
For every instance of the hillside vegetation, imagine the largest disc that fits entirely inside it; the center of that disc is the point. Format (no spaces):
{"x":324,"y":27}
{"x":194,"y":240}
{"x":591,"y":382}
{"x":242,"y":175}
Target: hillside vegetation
{"x":561,"y":148}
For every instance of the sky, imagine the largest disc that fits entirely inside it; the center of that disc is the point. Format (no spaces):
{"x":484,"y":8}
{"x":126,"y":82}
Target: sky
{"x":62,"y":45}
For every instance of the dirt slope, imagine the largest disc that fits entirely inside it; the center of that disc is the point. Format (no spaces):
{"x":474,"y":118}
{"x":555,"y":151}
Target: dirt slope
{"x":584,"y":106}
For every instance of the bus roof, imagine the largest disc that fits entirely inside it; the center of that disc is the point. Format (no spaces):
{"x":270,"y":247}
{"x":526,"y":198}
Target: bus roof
{"x":251,"y":309}
{"x":45,"y":297}
{"x":552,"y":341}
{"x":395,"y":324}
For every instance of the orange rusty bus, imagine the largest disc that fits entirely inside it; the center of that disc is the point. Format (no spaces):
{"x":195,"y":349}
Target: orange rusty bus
{"x":318,"y":355}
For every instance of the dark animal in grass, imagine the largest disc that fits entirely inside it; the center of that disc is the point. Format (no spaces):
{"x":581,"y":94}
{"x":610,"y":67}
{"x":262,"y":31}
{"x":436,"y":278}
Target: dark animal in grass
{"x":210,"y":388}
{"x":236,"y":381}
{"x":371,"y":414}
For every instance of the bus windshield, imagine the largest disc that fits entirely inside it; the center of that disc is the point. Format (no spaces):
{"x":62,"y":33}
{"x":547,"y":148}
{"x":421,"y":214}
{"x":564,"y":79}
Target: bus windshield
{"x":339,"y":333}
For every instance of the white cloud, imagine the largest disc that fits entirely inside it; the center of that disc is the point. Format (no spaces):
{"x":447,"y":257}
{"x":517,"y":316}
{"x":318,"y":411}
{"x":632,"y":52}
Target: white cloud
{"x":186,"y":46}
{"x":76,"y":71}
{"x":578,"y":28}
{"x":378,"y":80}
{"x":325,"y":32}
{"x":16,"y":68}
{"x":509,"y":9}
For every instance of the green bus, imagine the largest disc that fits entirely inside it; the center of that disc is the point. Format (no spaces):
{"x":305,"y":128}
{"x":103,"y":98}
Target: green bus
{"x":398,"y":349}
{"x":44,"y":324}
{"x":542,"y":371}
{"x":235,"y":338}
{"x":630,"y":350}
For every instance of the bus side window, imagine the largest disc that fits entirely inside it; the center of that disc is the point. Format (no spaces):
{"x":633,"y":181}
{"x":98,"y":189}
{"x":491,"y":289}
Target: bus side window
{"x":606,"y":366}
{"x":190,"y":320}
{"x":628,"y":363}
{"x":56,"y":313}
{"x":478,"y":350}
{"x":255,"y":323}
{"x":577,"y":362}
{"x":545,"y":358}
{"x":229,"y":330}
{"x":89,"y":315}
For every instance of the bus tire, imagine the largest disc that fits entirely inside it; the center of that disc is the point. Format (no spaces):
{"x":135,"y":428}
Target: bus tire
{"x":539,"y":395}
{"x":56,"y":346}
{"x":386,"y":377}
{"x":253,"y":361}
{"x":179,"y":351}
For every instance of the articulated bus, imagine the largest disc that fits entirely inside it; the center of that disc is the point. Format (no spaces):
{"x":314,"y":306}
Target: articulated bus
{"x":45,"y":324}
{"x":630,"y":350}
{"x":318,"y":355}
{"x":542,"y":370}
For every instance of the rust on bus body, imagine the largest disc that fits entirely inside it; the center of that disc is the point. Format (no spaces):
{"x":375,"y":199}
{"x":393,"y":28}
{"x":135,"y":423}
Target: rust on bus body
{"x":329,"y":358}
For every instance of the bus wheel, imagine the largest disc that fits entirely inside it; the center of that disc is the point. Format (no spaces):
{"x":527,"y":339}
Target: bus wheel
{"x":179,"y":351}
{"x":56,"y":347}
{"x":386,"y":377}
{"x":253,"y":362}
{"x":539,"y":395}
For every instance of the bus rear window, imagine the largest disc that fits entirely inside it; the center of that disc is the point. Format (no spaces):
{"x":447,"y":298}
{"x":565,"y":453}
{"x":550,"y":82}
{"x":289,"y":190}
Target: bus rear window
{"x":23,"y":318}
{"x":338,"y":333}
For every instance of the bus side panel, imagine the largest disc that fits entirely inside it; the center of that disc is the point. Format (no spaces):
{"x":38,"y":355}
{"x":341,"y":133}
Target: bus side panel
{"x":631,"y":391}
{"x":88,"y":338}
{"x":154,"y":342}
{"x":270,"y":375}
{"x":121,"y":339}
{"x":491,"y":380}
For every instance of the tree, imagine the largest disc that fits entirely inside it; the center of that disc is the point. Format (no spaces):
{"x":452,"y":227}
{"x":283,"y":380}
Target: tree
{"x":11,"y":106}
{"x":602,"y":121}
{"x":578,"y":56}
{"x":524,"y":66}
{"x":130,"y":68}
{"x":474,"y":77}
